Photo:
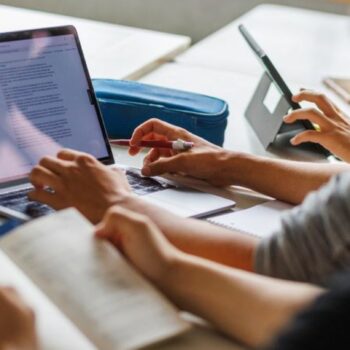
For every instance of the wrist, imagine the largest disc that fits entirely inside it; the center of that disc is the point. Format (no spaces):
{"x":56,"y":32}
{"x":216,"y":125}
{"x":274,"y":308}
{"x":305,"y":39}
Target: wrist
{"x":235,"y":167}
{"x":168,"y":280}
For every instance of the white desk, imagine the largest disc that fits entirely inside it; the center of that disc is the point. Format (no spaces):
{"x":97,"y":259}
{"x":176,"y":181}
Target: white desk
{"x":112,"y":51}
{"x":223,"y":65}
{"x":214,"y":67}
{"x":235,"y":88}
{"x":305,"y":45}
{"x":119,"y":52}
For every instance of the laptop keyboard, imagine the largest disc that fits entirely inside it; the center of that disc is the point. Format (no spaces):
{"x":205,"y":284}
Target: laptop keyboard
{"x":145,"y":185}
{"x":19,"y":201}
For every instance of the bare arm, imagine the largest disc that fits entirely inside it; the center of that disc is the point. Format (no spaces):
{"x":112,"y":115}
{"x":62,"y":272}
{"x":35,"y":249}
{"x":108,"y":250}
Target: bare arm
{"x":286,"y":180}
{"x":200,"y":238}
{"x":247,"y":307}
{"x":81,"y":181}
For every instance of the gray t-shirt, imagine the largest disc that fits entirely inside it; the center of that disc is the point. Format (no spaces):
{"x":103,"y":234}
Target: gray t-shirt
{"x":314,"y":241}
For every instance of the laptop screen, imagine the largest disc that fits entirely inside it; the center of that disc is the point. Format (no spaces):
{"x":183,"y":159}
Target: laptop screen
{"x":46,"y":101}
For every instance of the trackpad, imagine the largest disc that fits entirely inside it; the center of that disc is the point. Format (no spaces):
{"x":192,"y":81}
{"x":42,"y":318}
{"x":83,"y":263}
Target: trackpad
{"x":188,"y":202}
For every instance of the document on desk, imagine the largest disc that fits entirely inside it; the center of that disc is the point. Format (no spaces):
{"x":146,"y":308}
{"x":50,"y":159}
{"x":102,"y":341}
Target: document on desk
{"x":91,"y":283}
{"x":260,"y":221}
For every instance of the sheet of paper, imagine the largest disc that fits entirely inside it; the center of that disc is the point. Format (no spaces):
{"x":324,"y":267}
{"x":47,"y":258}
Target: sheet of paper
{"x":91,"y":283}
{"x":55,"y":331}
{"x":260,"y":221}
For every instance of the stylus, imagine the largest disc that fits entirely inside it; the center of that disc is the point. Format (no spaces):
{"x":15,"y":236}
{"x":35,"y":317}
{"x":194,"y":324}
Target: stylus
{"x":178,"y":145}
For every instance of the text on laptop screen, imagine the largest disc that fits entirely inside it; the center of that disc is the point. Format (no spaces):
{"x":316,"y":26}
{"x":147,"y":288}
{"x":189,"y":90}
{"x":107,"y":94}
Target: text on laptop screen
{"x":44,"y":104}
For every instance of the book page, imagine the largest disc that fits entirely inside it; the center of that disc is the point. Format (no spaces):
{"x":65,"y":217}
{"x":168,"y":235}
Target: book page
{"x":91,"y":283}
{"x":54,"y":330}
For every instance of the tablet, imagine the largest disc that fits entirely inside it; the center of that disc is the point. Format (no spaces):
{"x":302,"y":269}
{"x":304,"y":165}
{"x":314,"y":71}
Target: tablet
{"x":278,"y":81}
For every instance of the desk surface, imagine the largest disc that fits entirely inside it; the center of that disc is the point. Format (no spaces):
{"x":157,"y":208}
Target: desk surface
{"x":305,"y":45}
{"x":120,"y":52}
{"x":112,"y":51}
{"x":221,"y":66}
{"x":311,"y":46}
{"x":235,"y":88}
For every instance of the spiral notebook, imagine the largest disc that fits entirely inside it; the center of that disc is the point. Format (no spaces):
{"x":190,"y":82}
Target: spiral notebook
{"x":259,"y":221}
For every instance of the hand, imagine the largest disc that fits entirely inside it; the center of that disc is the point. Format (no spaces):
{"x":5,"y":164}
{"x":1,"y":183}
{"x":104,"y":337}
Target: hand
{"x":79,"y":180}
{"x":17,"y":322}
{"x":334,"y":133}
{"x":139,"y":239}
{"x":203,"y":161}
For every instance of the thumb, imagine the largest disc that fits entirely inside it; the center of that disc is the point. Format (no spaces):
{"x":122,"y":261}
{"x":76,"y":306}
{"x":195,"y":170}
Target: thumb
{"x":165,"y":165}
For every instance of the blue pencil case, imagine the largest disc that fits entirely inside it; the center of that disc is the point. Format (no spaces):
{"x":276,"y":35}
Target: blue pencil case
{"x":127,"y":104}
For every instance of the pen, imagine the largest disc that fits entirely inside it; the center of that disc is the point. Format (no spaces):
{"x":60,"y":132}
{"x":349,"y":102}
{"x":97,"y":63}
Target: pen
{"x":177,"y":145}
{"x":13,"y":214}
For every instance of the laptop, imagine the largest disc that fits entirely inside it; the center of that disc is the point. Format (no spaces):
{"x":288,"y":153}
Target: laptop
{"x":47,"y":103}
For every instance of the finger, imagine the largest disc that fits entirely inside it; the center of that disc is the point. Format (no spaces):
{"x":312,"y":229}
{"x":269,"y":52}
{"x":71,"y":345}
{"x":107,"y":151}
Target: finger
{"x":10,"y":295}
{"x":310,"y":114}
{"x":68,"y":154}
{"x":158,"y":127}
{"x":156,"y":153}
{"x":307,"y":136}
{"x":166,"y":165}
{"x":5,"y":291}
{"x":55,"y":165}
{"x":153,"y":155}
{"x":41,"y":177}
{"x":42,"y":196}
{"x":133,"y":150}
{"x":321,"y":101}
{"x":85,"y":159}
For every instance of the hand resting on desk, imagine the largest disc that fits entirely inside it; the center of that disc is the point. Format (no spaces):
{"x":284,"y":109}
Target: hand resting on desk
{"x":203,"y":161}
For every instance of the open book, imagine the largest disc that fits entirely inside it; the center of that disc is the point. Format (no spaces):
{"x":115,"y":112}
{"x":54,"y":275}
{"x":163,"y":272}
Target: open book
{"x":85,"y":294}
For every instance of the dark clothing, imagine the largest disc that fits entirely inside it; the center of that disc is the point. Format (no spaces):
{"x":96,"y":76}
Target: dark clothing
{"x":323,"y":326}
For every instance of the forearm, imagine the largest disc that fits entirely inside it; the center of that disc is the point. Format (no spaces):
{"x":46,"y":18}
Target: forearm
{"x":288,"y":181}
{"x":247,"y":307}
{"x":200,"y":238}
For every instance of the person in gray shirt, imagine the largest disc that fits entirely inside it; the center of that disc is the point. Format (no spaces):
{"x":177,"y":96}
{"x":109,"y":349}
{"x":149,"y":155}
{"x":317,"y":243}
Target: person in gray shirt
{"x":314,"y":240}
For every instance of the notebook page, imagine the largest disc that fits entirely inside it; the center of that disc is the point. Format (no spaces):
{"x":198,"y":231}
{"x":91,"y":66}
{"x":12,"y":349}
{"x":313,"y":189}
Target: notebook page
{"x":54,"y":330}
{"x":91,"y":283}
{"x":259,"y":221}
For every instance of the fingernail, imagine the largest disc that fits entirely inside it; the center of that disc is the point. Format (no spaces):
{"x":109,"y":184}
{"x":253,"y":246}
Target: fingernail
{"x":293,"y":141}
{"x":146,"y":171}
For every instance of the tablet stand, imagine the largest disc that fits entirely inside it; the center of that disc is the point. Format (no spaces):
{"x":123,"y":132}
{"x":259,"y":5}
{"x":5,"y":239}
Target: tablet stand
{"x":268,"y":125}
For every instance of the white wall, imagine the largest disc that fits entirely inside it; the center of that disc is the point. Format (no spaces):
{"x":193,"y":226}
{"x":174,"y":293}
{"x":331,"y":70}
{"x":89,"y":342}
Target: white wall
{"x":196,"y":18}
